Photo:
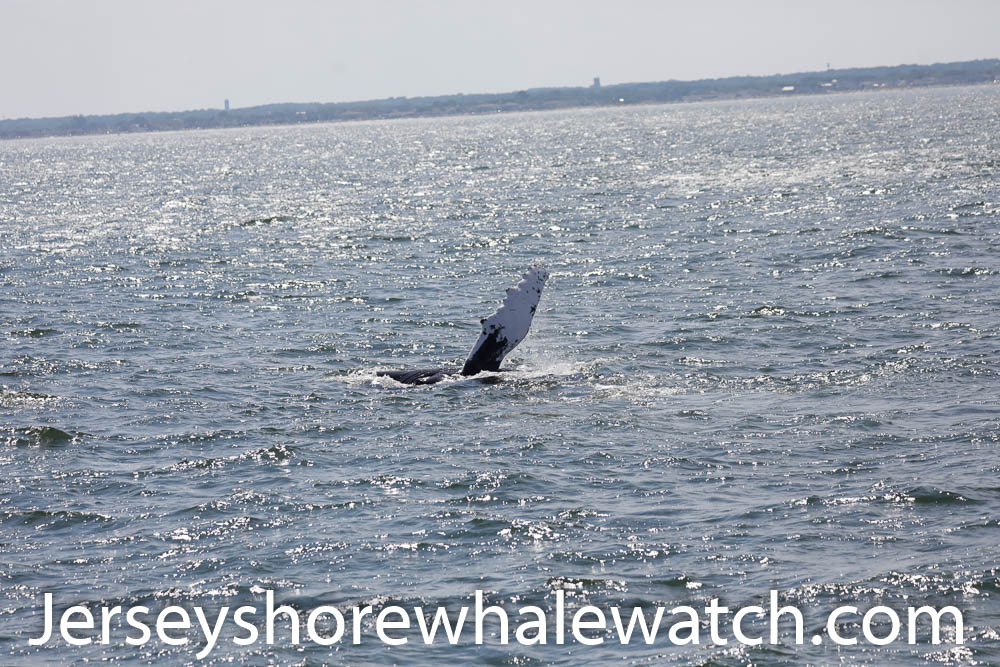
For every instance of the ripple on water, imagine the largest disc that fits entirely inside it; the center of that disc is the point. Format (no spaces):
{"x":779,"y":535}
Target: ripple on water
{"x":764,"y":359}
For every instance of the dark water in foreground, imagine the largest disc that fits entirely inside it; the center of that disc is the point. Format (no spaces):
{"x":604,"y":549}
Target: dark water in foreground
{"x":767,"y":357}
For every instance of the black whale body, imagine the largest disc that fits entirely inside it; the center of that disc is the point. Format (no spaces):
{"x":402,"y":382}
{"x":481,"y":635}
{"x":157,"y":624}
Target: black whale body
{"x":502,"y":331}
{"x":420,"y":376}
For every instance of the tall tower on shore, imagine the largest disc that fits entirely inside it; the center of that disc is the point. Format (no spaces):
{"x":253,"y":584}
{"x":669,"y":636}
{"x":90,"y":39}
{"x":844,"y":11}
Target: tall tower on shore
{"x":597,"y":82}
{"x":227,"y":104}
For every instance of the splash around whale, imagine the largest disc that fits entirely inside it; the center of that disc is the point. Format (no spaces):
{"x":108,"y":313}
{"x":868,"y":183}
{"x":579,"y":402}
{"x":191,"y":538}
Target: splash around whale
{"x":502,"y":332}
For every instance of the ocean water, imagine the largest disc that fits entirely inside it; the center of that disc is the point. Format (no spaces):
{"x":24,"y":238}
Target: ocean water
{"x":767,"y":358}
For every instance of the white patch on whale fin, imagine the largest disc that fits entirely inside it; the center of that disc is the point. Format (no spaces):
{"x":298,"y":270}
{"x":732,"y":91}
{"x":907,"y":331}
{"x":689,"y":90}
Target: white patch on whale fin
{"x":507,"y":327}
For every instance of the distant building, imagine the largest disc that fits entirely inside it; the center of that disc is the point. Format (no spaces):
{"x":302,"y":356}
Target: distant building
{"x":227,"y":104}
{"x":597,"y":82}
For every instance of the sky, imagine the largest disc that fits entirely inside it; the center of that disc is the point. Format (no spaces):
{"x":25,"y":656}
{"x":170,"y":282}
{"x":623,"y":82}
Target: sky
{"x":63,"y":57}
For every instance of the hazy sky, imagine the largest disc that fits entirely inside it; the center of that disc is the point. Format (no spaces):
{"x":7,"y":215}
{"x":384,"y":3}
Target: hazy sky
{"x":60,"y":57}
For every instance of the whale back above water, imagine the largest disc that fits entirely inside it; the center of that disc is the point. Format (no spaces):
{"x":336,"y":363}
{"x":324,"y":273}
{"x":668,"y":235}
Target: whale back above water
{"x":421,"y":375}
{"x":502,"y":332}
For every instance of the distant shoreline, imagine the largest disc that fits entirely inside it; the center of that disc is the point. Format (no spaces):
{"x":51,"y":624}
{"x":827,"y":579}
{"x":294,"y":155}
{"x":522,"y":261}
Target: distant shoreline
{"x":974,"y":72}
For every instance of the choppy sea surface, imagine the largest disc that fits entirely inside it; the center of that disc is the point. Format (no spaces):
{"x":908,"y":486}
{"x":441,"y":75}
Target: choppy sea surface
{"x":767,"y":357}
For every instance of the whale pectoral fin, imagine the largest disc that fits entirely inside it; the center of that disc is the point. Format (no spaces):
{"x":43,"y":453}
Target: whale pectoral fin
{"x":506,"y":328}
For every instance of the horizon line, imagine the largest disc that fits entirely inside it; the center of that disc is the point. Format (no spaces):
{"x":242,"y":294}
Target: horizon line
{"x":504,"y":92}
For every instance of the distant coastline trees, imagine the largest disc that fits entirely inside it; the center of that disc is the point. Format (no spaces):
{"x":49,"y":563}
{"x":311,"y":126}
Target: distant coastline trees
{"x":828,"y":81}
